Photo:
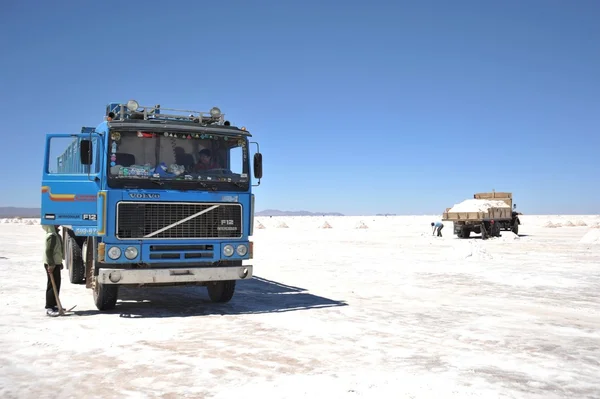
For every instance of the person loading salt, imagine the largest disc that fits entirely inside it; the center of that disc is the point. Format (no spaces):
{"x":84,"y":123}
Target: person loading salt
{"x":439,"y":226}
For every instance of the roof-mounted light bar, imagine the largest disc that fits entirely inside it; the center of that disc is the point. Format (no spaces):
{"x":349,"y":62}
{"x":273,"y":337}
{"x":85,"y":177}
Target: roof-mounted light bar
{"x":133,"y":110}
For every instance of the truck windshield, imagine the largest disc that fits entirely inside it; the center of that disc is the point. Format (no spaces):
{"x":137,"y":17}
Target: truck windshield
{"x":186,"y":160}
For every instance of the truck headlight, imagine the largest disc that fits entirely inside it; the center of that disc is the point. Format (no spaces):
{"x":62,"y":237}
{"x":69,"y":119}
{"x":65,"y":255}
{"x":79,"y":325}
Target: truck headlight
{"x":241,"y":250}
{"x":114,"y":252}
{"x":131,"y":253}
{"x":228,"y":250}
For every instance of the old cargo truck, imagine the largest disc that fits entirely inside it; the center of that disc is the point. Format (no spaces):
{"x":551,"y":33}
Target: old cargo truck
{"x":488,"y":221}
{"x":153,"y":197}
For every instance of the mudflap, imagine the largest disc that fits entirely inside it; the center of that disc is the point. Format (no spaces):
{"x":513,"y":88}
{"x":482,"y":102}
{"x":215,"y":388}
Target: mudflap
{"x":89,"y":262}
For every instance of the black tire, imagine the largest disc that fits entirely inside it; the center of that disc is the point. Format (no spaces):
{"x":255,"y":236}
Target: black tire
{"x":515,"y":227}
{"x":221,"y":291}
{"x":75,"y":261}
{"x":465,"y":233}
{"x":497,"y":230}
{"x":105,"y":296}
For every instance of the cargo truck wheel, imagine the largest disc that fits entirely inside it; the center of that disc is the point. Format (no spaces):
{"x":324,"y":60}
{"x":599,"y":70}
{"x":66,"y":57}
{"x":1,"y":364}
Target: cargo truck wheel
{"x":75,"y":261}
{"x":495,"y":230}
{"x":465,"y":233}
{"x":221,"y":291}
{"x":105,"y":295}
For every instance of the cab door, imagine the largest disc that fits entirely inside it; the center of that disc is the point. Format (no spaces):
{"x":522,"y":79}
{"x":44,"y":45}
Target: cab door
{"x":70,"y":182}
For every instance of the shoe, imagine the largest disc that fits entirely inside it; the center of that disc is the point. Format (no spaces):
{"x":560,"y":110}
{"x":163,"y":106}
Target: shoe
{"x":52,"y":312}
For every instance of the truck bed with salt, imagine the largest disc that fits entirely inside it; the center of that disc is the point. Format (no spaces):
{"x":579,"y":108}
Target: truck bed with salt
{"x":486,"y":214}
{"x":478,"y":210}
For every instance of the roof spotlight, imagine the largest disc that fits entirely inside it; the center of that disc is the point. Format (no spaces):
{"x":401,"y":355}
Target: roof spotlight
{"x":215,"y":112}
{"x":132,"y":105}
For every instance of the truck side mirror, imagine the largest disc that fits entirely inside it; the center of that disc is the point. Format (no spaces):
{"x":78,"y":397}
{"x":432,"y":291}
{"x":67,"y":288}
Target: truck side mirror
{"x":85,"y":152}
{"x":258,"y":166}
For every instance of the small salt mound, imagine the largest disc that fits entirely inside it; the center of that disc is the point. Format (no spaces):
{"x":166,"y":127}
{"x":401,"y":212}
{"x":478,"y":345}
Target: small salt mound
{"x":551,"y":225}
{"x":580,"y":223}
{"x":326,"y":226}
{"x":470,"y":250}
{"x":591,"y":237}
{"x":12,"y":221}
{"x":478,"y":205}
{"x":596,"y":226}
{"x":260,"y":225}
{"x":29,"y":222}
{"x":362,"y":225}
{"x":282,"y":225}
{"x":568,"y":223}
{"x":508,"y":236}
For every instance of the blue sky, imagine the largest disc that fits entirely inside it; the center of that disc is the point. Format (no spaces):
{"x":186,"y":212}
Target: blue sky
{"x":359,"y":107}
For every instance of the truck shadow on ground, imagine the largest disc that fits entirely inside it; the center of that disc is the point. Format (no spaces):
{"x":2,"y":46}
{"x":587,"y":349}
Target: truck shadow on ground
{"x":478,"y":237}
{"x":254,"y":296}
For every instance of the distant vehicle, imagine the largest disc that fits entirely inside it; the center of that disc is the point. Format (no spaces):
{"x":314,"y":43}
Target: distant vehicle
{"x":153,"y":197}
{"x":489,"y":223}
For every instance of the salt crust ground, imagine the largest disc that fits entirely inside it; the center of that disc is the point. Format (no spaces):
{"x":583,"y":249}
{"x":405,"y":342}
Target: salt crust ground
{"x":386,"y":312}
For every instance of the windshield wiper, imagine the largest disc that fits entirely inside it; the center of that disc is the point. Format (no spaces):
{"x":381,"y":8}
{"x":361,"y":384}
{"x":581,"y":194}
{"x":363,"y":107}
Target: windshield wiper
{"x":239,"y":183}
{"x":160,"y":183}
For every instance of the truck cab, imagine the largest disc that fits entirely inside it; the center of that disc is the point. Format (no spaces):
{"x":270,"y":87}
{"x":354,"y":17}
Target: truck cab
{"x":153,"y":197}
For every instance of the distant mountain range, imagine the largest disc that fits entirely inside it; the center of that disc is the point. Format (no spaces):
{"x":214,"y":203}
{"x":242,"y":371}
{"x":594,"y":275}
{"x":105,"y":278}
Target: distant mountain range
{"x":276,"y":212}
{"x":12,"y":212}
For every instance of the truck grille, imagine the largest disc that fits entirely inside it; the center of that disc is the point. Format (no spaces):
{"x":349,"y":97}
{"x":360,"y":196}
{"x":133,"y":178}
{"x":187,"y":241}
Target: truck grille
{"x":149,"y":220}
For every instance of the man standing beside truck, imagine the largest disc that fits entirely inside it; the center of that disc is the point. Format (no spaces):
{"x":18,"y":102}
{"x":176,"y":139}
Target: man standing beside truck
{"x":53,"y":256}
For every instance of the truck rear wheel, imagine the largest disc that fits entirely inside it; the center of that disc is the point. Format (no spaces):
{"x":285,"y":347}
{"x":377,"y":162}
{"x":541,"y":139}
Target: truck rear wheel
{"x":74,"y":261}
{"x":495,"y":230}
{"x":221,"y":291}
{"x":465,"y":233}
{"x":105,"y":295}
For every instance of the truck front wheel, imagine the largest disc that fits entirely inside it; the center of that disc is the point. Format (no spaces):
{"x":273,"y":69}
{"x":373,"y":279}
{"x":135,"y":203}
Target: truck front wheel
{"x":75,"y":261}
{"x":515,"y":227}
{"x":105,"y":295}
{"x":221,"y":291}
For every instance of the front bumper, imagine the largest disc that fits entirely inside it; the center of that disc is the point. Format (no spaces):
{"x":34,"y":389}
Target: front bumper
{"x":169,"y":252}
{"x":173,"y":275}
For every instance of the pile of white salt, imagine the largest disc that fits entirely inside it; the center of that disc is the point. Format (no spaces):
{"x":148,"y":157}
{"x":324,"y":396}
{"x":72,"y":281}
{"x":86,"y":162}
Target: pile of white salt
{"x":478,"y":205}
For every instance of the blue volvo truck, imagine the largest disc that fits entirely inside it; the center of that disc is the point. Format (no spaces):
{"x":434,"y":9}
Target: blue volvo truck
{"x":153,"y":197}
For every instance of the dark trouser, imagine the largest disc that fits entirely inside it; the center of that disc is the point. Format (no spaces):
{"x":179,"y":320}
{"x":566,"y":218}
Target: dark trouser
{"x":439,"y":230}
{"x":50,"y":299}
